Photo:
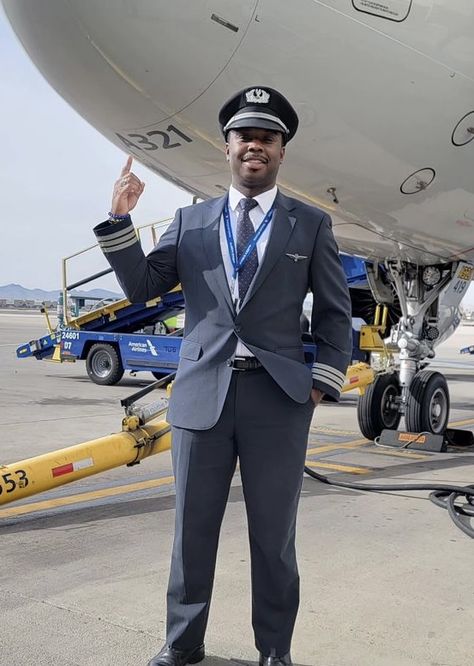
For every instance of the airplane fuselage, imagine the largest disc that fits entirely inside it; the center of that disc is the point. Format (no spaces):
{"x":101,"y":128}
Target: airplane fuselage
{"x":384,"y":91}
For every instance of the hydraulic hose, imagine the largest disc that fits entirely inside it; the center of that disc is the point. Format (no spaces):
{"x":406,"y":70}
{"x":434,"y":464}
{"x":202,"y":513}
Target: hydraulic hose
{"x":442,"y":495}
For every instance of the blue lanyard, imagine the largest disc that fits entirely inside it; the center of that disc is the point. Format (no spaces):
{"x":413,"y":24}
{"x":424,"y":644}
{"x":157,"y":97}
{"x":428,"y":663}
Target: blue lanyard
{"x":236,"y":264}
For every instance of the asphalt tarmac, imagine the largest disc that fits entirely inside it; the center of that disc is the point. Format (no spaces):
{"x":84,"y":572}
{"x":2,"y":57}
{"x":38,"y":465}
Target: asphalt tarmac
{"x":387,"y":579}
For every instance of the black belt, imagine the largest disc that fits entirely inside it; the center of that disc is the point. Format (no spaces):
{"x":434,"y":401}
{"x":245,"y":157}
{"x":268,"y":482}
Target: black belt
{"x":245,"y":363}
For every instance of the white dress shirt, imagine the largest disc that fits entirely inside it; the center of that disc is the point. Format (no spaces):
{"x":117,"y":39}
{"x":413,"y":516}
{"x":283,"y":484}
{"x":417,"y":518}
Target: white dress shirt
{"x":265,"y":202}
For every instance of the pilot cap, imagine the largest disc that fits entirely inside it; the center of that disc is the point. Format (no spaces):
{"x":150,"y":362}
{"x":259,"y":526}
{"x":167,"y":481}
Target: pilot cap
{"x":261,"y":107}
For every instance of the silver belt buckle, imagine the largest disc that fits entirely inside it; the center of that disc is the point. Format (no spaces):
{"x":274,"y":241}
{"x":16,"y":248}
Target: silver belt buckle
{"x":238,"y":358}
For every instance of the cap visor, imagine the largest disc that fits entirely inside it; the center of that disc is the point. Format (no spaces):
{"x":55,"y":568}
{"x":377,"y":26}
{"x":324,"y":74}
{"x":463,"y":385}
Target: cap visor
{"x":259,"y":123}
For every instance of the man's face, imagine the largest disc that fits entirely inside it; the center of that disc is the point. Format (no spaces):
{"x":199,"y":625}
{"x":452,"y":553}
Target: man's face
{"x":254,"y":156}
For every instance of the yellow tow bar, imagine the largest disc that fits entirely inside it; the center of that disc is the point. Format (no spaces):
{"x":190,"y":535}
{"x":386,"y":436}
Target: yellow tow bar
{"x":45,"y":472}
{"x":358,"y":376}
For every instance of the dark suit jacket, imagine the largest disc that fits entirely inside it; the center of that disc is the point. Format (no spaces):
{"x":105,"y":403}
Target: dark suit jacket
{"x":268,"y":322}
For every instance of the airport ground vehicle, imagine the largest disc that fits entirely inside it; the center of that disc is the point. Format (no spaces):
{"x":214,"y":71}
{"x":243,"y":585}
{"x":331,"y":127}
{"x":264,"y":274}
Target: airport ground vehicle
{"x":116,"y":337}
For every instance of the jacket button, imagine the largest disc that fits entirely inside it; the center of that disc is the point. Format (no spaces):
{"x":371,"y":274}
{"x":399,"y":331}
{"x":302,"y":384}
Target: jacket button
{"x":237,"y":329}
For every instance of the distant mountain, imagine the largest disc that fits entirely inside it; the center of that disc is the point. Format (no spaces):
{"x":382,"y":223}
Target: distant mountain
{"x":16,"y":291}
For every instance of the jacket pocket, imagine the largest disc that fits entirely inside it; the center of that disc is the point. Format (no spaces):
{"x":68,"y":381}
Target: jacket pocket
{"x":190,"y":350}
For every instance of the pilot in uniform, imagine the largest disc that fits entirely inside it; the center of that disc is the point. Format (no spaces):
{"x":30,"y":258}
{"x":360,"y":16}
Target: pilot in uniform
{"x":245,"y":261}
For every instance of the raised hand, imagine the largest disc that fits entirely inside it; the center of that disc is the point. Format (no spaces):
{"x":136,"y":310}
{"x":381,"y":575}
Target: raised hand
{"x":127,"y":190}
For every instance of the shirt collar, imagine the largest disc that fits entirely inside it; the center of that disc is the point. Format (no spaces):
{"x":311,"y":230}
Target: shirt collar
{"x":265,"y":199}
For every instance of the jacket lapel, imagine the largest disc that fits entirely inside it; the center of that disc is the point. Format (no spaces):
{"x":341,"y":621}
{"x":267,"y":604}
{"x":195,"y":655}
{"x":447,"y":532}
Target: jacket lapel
{"x":282,"y":227}
{"x":211,"y":217}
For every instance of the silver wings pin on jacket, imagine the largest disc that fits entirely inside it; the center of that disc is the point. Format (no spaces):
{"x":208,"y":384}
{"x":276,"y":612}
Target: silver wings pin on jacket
{"x":296,"y":257}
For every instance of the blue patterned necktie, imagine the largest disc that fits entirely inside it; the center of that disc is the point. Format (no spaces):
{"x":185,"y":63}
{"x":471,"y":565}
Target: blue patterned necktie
{"x":245,"y":231}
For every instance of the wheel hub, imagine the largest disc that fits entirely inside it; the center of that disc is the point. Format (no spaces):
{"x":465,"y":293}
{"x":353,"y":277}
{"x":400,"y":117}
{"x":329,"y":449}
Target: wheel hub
{"x":437,"y":410}
{"x":101,"y":364}
{"x":389,"y":406}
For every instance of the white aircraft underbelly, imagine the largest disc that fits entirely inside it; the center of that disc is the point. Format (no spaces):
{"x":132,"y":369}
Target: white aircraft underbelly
{"x":384,"y":91}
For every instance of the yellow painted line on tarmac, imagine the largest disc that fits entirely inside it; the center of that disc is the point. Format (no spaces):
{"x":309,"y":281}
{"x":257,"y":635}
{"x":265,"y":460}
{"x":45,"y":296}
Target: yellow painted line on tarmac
{"x":354,"y":443}
{"x":359,"y":443}
{"x":332,"y":431}
{"x":338,"y":468}
{"x":333,"y":447}
{"x":85,"y":497}
{"x":398,"y":454}
{"x":454,"y":424}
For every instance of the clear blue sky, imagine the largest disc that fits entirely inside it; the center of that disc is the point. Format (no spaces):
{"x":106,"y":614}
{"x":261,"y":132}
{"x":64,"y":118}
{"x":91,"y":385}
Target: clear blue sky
{"x":56,"y":177}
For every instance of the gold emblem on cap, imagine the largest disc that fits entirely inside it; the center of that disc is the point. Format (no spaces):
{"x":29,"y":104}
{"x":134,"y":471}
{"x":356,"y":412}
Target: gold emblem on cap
{"x":257,"y":96}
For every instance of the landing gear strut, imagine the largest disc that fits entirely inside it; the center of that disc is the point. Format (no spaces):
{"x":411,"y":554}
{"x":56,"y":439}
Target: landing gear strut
{"x":429,"y":297}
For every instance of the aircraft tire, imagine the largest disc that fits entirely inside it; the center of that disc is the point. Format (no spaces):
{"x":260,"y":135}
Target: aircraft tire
{"x":103,"y":365}
{"x":375,"y":411}
{"x":428,"y":403}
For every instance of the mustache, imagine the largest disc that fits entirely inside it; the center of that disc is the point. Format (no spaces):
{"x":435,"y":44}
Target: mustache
{"x":253,"y":156}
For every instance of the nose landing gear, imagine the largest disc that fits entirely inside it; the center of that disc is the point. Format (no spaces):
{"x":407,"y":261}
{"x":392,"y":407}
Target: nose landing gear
{"x":429,"y":299}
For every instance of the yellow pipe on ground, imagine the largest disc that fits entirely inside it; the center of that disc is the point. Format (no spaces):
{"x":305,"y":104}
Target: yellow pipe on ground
{"x":50,"y":470}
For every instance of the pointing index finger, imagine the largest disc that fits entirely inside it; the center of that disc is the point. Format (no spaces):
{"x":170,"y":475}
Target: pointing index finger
{"x":127,"y":167}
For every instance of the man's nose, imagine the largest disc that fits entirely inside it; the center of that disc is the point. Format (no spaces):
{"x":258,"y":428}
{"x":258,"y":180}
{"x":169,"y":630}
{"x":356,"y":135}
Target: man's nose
{"x":255,"y":145}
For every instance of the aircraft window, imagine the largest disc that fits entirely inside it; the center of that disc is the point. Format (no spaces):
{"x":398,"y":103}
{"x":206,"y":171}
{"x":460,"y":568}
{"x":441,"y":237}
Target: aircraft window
{"x":393,"y":10}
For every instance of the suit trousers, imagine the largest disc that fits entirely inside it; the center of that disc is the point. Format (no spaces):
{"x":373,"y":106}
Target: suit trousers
{"x":267,"y":432}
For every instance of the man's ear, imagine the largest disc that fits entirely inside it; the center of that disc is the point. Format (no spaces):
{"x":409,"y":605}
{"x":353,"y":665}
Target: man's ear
{"x":227,"y":151}
{"x":282,"y":154}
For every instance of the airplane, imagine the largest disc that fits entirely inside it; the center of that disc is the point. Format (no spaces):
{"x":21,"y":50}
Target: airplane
{"x":385,"y":95}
